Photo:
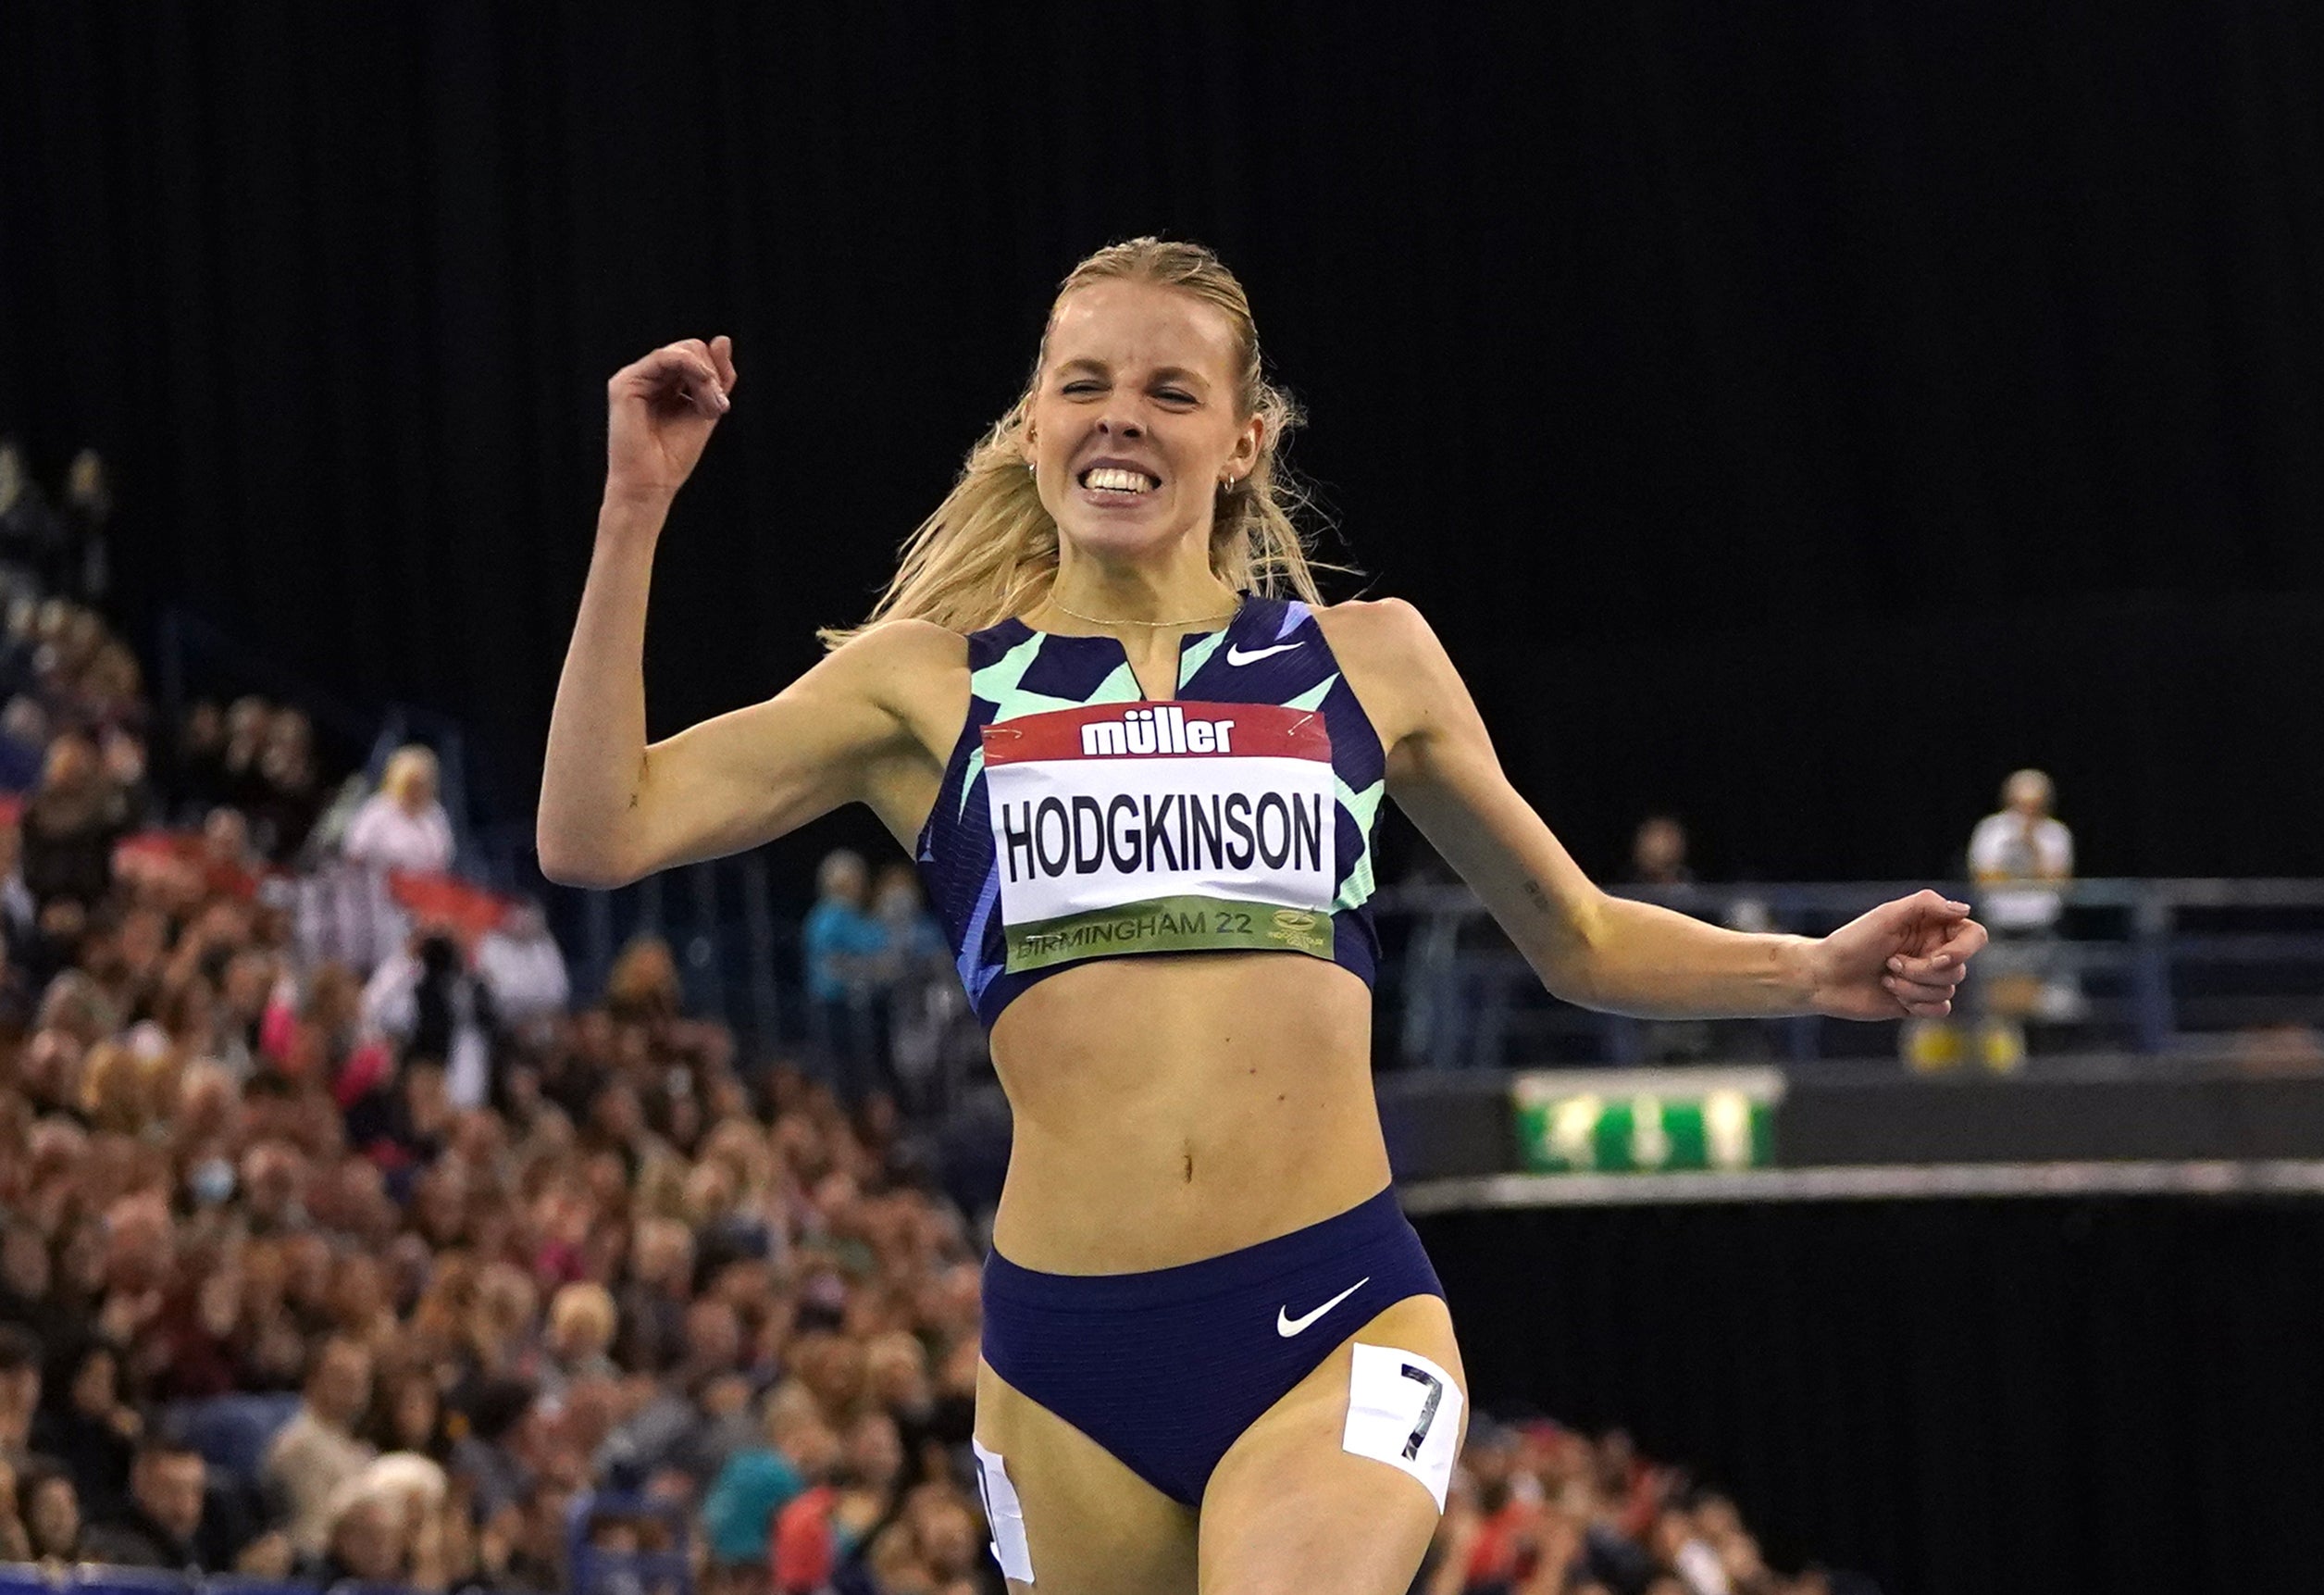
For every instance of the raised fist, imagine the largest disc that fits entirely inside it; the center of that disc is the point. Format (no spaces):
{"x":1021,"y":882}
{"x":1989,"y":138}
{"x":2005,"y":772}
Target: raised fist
{"x":659,"y":415}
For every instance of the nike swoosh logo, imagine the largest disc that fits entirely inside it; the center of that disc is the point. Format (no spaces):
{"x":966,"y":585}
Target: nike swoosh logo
{"x":1237,"y":657}
{"x":1287,"y":1325}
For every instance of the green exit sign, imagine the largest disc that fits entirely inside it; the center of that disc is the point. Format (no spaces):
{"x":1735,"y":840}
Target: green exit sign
{"x":1625,"y":1121}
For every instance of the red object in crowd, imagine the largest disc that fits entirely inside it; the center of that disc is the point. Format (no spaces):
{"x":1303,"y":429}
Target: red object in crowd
{"x":469,"y":912}
{"x":800,"y":1548}
{"x":368,"y":1065}
{"x":186,"y":848}
{"x":1500,"y":1554}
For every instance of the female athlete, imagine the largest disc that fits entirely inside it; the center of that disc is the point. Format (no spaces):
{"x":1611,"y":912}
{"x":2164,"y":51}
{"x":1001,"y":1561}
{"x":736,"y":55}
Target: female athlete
{"x":1103,"y":706}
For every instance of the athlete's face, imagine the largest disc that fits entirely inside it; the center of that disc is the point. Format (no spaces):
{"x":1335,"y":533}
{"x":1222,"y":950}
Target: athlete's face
{"x":1134,"y":424}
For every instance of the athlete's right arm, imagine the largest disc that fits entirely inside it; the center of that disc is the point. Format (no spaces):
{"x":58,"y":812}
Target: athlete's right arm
{"x":612,"y":808}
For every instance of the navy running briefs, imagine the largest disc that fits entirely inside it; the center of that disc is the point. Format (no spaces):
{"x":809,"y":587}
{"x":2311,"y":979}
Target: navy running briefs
{"x":1166,"y":1369}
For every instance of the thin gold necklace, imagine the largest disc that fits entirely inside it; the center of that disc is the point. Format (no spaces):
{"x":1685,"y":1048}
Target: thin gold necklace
{"x":1094,"y":620}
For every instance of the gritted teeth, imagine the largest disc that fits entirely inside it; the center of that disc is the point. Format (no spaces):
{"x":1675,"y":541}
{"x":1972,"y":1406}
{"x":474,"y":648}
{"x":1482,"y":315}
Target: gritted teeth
{"x":1115,"y":478}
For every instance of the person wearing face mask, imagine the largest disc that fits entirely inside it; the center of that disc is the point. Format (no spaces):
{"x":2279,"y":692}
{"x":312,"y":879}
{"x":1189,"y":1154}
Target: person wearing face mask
{"x":1138,"y":761}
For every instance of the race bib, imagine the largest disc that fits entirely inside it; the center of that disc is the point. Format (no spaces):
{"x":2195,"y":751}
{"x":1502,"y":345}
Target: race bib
{"x":1162,"y":827}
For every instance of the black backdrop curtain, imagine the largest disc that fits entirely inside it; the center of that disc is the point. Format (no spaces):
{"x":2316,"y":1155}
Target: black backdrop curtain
{"x":1792,"y":415}
{"x":1960,"y":1398}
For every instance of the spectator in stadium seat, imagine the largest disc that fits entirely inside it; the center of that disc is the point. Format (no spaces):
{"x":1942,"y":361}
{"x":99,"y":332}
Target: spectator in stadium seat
{"x":108,"y":693}
{"x":71,"y":824}
{"x":89,"y":1429}
{"x":365,"y":1542}
{"x":522,"y":963}
{"x":643,"y":986}
{"x":535,"y":1560}
{"x":758,"y":1481}
{"x":1681,"y":1553}
{"x":197,"y":765}
{"x":835,"y":1522}
{"x":291,"y":793}
{"x":917,"y":993}
{"x":15,"y":1544}
{"x":160,"y":1524}
{"x":23,"y":743}
{"x":50,"y":1512}
{"x":407,"y":1415}
{"x":2020,"y":856}
{"x":843,"y":945}
{"x":87,"y":512}
{"x":402,"y":825}
{"x":1658,"y":858}
{"x":317,"y":1452}
{"x":654,"y":1299}
{"x":491,"y":1412}
{"x":582,"y":1320}
{"x":932,"y":1545}
{"x":32,"y":536}
{"x":246,"y":719}
{"x":19,"y":914}
{"x":227,"y":860}
{"x":122,"y":752}
{"x":427,"y":1000}
{"x":1657,"y":853}
{"x":27,"y":1275}
{"x":20,"y":1354}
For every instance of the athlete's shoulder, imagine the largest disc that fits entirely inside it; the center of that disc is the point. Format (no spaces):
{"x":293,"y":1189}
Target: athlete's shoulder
{"x":907,"y":646}
{"x":1386,"y":632}
{"x":915,"y":670}
{"x":1393,"y":662}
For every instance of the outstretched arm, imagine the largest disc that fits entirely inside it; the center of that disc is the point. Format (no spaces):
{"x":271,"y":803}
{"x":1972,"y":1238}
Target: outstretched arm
{"x":614,"y":809}
{"x":1602,"y":952}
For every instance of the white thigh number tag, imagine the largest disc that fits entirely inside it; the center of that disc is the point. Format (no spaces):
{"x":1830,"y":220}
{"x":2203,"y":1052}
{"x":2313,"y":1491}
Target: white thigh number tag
{"x":1002,"y":1512}
{"x":1405,"y":1410}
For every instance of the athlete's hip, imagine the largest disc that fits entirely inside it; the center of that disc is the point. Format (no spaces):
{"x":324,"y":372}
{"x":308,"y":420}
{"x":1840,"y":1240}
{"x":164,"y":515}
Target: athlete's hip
{"x":1166,"y":1367}
{"x":1134,"y":1199}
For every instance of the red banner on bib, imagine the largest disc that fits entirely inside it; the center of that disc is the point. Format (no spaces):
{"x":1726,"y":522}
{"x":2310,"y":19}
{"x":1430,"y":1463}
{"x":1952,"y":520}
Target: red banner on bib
{"x":1160,"y":732}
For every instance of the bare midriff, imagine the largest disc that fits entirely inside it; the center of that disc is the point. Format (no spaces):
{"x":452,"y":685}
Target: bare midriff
{"x":1169,"y":1109}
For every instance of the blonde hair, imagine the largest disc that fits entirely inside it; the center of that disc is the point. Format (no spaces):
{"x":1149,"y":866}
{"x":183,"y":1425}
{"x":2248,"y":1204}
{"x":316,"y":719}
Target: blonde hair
{"x":990,"y":549}
{"x":587,"y":1307}
{"x":411,"y":761}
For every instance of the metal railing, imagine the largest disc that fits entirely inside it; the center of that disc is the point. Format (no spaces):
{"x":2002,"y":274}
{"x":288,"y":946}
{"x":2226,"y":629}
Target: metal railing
{"x":2155,"y":966}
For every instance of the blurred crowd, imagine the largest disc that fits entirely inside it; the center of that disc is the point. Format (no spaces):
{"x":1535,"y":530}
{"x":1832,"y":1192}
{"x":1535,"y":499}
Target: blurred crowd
{"x":367,"y":1268}
{"x":885,"y":1012}
{"x":1539,"y":1509}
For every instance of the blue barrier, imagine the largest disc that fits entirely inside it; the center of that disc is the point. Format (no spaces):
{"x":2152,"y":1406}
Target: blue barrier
{"x":94,"y":1578}
{"x":2160,"y":966}
{"x":90,"y":1579}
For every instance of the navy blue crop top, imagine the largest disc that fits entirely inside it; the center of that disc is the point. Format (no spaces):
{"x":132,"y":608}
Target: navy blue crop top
{"x":1080,"y":819}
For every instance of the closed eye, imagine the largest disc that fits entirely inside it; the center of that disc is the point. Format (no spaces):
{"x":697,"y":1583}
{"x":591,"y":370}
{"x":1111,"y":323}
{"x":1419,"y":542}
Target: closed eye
{"x":1082,"y":387}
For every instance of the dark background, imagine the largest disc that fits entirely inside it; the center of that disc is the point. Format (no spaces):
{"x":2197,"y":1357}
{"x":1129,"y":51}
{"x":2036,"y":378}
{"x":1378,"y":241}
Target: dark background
{"x":1795,"y":416}
{"x":1967,"y":1397}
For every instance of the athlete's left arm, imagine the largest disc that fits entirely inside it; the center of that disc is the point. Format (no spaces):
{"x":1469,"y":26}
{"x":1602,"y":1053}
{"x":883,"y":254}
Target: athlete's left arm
{"x":1902,"y":958}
